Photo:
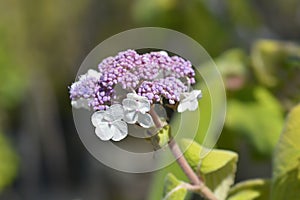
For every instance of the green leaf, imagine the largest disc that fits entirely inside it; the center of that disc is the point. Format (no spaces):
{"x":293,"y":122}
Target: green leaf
{"x":287,"y":151}
{"x":267,"y":56}
{"x":287,"y":186}
{"x":217,"y":168}
{"x":8,"y":163}
{"x":271,"y":61}
{"x":257,"y":189}
{"x":243,"y":14}
{"x":162,"y":137}
{"x":232,"y":62}
{"x":174,"y":189}
{"x":286,"y":181}
{"x":259,"y":120}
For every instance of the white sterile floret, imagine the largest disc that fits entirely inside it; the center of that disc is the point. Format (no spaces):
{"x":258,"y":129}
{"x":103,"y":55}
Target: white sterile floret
{"x":135,"y":107}
{"x":109,"y":124}
{"x":81,"y":103}
{"x":163,"y":53}
{"x":82,"y":90}
{"x":189,"y":100}
{"x":90,"y":73}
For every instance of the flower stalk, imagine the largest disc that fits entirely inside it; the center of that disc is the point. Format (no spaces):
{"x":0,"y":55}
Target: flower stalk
{"x":196,"y":183}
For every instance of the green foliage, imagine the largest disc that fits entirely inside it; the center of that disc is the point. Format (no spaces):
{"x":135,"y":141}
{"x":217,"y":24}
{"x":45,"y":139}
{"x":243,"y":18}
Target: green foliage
{"x":286,"y":173}
{"x":8,"y":163}
{"x":173,"y":188}
{"x":183,"y":17}
{"x":272,"y":61}
{"x":287,"y":186}
{"x":243,"y":13}
{"x":158,"y":183}
{"x":287,"y":151}
{"x":146,"y":11}
{"x":258,"y":120}
{"x":257,"y":189}
{"x":162,"y":137}
{"x":232,"y":62}
{"x":12,"y":78}
{"x":217,"y":168}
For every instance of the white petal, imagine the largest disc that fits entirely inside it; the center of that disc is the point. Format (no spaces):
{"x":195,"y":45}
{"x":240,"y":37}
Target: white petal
{"x":94,"y":73}
{"x":114,"y":112}
{"x":184,"y":96}
{"x":104,"y":132}
{"x":82,"y":77}
{"x":136,"y":97}
{"x":193,"y":105}
{"x":163,"y":53}
{"x":97,"y":118}
{"x":196,"y":94}
{"x":145,"y":120}
{"x":90,"y":73}
{"x":130,"y":104}
{"x":81,"y":103}
{"x":75,"y":84}
{"x":130,"y":117}
{"x":132,"y":95}
{"x":143,"y":105}
{"x":120,"y":130}
{"x":183,"y":106}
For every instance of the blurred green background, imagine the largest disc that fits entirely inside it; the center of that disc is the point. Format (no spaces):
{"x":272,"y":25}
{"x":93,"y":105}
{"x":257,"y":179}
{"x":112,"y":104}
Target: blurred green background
{"x":42,"y":44}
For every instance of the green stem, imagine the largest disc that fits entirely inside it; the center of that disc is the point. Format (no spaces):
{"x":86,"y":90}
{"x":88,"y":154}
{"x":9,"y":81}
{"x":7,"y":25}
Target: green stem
{"x":180,"y":159}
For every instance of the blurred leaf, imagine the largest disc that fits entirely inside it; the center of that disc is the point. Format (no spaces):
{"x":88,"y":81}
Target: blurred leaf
{"x":257,"y":189}
{"x":267,"y":55}
{"x":147,"y":11}
{"x":286,"y":174}
{"x":233,"y":66}
{"x":184,"y":17}
{"x":173,"y":189}
{"x":12,"y":78}
{"x":287,"y":151}
{"x":243,"y":13}
{"x":217,"y":168}
{"x":287,"y":186}
{"x":272,"y":61}
{"x":8,"y":163}
{"x":232,"y":62}
{"x":259,"y":120}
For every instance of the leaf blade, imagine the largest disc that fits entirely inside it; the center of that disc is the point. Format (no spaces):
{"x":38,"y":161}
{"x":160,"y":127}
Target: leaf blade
{"x":217,"y":168}
{"x":173,"y":188}
{"x":258,"y":189}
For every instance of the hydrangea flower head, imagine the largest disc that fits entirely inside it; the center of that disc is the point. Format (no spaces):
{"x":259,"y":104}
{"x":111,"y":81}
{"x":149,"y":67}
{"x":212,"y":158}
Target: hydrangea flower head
{"x":154,"y":75}
{"x":148,"y":78}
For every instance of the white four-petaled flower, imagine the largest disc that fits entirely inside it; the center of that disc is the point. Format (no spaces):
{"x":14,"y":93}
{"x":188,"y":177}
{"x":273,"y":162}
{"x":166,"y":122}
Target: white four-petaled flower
{"x":109,"y":124}
{"x":136,"y":108}
{"x":189,"y":100}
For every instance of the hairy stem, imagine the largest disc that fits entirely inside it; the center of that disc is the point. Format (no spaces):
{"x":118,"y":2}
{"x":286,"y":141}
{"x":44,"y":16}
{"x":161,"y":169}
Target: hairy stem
{"x":197,"y":184}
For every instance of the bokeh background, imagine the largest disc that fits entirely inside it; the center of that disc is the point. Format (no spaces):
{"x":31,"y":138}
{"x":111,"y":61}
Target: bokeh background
{"x":43,"y":42}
